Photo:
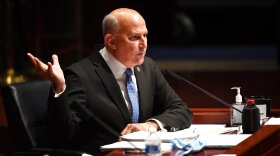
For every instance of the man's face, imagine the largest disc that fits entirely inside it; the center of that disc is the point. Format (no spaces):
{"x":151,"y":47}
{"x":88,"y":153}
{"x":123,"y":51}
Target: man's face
{"x":131,"y":42}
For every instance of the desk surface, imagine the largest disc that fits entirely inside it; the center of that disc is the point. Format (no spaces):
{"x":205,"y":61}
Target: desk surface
{"x":265,"y":142}
{"x":205,"y":152}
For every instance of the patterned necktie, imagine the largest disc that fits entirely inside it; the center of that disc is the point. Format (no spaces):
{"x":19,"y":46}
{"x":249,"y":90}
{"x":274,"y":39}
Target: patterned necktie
{"x":133,"y":96}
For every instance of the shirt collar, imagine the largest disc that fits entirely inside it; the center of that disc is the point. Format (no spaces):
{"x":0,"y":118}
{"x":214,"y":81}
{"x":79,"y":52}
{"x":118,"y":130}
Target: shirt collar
{"x":116,"y":66}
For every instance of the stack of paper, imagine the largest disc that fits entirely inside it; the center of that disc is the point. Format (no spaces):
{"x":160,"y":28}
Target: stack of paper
{"x":134,"y":145}
{"x":164,"y":136}
{"x":211,"y":129}
{"x":213,"y":134}
{"x":136,"y":140}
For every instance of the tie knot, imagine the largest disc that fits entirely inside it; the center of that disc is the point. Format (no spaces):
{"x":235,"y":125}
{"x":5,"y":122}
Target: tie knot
{"x":128,"y":72}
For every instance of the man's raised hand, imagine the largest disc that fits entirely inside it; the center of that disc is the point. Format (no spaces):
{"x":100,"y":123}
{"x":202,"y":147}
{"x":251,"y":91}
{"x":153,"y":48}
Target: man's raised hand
{"x":52,"y":71}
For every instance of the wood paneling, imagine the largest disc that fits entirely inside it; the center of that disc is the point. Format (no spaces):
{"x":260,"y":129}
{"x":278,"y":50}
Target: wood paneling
{"x":219,"y":83}
{"x":211,"y":115}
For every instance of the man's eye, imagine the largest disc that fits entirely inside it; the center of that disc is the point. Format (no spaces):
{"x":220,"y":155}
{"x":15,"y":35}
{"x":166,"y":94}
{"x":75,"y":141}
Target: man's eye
{"x":134,"y":38}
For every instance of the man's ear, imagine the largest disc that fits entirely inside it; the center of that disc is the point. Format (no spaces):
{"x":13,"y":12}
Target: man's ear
{"x":110,"y":40}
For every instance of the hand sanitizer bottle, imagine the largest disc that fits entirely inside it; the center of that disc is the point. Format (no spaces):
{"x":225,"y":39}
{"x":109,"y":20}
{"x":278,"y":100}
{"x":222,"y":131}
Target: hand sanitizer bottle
{"x":235,"y":116}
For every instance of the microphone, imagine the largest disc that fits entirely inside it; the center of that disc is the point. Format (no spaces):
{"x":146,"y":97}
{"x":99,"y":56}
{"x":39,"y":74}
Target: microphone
{"x":178,"y":78}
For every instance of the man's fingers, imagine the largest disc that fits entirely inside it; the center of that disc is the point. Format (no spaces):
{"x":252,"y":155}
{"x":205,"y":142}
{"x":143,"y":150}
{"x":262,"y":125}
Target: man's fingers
{"x":129,"y":129}
{"x":30,"y":55}
{"x":32,"y":59}
{"x":40,"y":65}
{"x":135,"y":127}
{"x":55,"y":60}
{"x":50,"y":69}
{"x":125,"y":130}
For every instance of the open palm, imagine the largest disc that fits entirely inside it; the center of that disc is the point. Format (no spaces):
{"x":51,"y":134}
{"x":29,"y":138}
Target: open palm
{"x":52,"y":70}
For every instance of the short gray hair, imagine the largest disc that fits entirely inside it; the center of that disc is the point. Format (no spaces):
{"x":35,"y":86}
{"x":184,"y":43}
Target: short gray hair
{"x":110,"y":25}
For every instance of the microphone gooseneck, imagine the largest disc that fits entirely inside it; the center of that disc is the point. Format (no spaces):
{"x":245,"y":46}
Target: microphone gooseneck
{"x":178,"y":78}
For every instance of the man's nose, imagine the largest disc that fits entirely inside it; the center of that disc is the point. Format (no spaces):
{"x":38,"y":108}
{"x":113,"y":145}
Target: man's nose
{"x":143,"y":42}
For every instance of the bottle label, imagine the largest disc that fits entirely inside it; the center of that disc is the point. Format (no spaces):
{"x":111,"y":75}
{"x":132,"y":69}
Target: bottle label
{"x":262,"y":110}
{"x":152,"y":149}
{"x":236,"y":117}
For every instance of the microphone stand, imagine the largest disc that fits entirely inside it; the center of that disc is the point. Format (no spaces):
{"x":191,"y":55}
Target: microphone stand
{"x":179,"y":79}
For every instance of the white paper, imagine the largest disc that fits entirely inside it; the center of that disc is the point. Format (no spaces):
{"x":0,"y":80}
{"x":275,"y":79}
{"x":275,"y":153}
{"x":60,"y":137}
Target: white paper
{"x":212,"y":134}
{"x":135,"y":145}
{"x":273,"y":121}
{"x":85,"y":154}
{"x":214,"y":129}
{"x":223,"y":140}
{"x":164,"y":136}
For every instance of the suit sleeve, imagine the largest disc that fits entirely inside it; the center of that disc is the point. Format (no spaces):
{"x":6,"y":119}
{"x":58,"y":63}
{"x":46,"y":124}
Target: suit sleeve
{"x":63,"y":119}
{"x":171,"y":110}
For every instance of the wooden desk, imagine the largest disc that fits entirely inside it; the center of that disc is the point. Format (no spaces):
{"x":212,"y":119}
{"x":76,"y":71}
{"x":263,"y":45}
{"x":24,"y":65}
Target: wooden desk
{"x":205,"y":152}
{"x":265,"y":142}
{"x":201,"y":116}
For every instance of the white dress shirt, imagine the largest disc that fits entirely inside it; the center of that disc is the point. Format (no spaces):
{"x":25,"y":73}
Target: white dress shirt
{"x":118,"y":70}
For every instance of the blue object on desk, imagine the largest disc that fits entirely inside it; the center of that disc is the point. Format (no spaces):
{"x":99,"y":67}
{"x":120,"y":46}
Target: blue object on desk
{"x":187,"y":147}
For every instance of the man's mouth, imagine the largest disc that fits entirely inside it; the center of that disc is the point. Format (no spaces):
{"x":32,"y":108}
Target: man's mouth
{"x":141,"y":54}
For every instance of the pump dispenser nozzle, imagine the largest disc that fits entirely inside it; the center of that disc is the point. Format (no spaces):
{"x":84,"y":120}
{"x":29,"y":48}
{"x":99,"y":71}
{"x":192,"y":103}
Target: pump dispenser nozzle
{"x":238,"y":97}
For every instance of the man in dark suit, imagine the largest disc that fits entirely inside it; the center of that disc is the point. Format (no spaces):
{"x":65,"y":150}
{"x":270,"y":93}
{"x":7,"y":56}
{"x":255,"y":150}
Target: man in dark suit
{"x":90,"y":105}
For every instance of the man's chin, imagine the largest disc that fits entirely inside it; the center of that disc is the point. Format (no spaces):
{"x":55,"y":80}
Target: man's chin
{"x":141,"y":61}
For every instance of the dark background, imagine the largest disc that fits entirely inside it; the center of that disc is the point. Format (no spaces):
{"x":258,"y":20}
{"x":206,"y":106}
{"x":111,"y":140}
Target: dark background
{"x":184,"y":30}
{"x":73,"y":27}
{"x":215,"y":44}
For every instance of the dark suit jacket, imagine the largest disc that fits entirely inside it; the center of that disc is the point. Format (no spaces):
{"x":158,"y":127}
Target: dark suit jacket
{"x":92,"y":111}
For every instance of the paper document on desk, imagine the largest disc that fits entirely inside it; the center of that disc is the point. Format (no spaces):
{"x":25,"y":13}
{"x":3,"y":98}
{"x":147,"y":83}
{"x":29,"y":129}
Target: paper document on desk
{"x":223,"y":140}
{"x":133,"y":145}
{"x":164,"y":136}
{"x":273,"y":121}
{"x":211,"y":129}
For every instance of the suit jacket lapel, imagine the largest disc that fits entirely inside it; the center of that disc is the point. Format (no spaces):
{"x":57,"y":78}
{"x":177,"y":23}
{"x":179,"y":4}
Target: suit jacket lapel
{"x":110,"y":84}
{"x":142,"y":90}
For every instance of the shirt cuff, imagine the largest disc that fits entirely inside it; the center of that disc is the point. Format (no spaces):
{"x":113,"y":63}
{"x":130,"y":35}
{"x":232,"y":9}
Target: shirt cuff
{"x":56,"y":95}
{"x":162,"y":129}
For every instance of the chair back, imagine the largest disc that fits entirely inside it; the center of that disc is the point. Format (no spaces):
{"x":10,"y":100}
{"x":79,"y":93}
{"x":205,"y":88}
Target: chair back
{"x":25,"y":106}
